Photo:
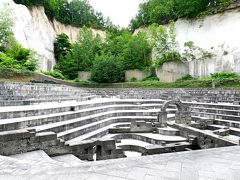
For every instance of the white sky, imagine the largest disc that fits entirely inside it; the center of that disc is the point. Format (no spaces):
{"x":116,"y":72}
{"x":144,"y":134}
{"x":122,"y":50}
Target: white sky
{"x":119,"y":11}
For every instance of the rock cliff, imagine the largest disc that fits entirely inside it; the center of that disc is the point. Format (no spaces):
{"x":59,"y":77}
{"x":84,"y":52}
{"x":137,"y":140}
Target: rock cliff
{"x":217,"y":34}
{"x":33,"y":30}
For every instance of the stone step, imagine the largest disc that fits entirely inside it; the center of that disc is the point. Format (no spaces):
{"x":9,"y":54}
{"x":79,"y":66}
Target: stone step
{"x":68,"y":159}
{"x":233,"y":130}
{"x":216,"y":110}
{"x":37,"y":157}
{"x":168,"y":131}
{"x":99,"y":133}
{"x":151,"y":138}
{"x":216,"y":115}
{"x":39,"y":101}
{"x":25,"y":122}
{"x":81,"y":130}
{"x":226,"y":122}
{"x":10,"y":112}
{"x":55,"y":107}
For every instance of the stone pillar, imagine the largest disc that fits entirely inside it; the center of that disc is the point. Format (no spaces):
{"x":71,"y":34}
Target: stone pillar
{"x":183,"y":117}
{"x":178,"y":118}
{"x":162,"y":118}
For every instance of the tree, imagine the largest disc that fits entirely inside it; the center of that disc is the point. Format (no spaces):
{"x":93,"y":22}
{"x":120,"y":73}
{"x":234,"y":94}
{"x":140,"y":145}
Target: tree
{"x":163,"y":40}
{"x":6,"y":33}
{"x":107,"y":69}
{"x":67,"y":66}
{"x":162,"y":11}
{"x":75,"y":12}
{"x":134,"y":49}
{"x":62,"y":46}
{"x":85,"y":49}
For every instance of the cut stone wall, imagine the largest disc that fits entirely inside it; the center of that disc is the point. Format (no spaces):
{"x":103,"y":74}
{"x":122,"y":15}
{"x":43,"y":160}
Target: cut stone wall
{"x":171,"y":71}
{"x":139,"y":75}
{"x":84,"y":75}
{"x":204,"y":140}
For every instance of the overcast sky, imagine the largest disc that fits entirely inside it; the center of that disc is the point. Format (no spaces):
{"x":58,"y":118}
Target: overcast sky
{"x":119,"y":11}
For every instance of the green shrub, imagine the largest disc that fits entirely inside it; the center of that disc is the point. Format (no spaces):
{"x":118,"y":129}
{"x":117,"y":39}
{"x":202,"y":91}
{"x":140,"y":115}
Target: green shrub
{"x":68,"y":67}
{"x":9,"y":73}
{"x":222,"y":75}
{"x":169,"y":57}
{"x":55,"y":73}
{"x":133,"y":79}
{"x":7,"y":61}
{"x":186,"y":78}
{"x":77,"y":80}
{"x":107,"y":69}
{"x":152,"y":78}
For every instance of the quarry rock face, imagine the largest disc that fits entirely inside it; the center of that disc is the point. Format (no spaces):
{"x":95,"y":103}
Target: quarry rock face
{"x":34,"y":30}
{"x":217,"y":34}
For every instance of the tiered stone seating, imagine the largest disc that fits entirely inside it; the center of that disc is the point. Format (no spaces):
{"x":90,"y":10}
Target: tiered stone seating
{"x":57,"y":108}
{"x":18,"y":94}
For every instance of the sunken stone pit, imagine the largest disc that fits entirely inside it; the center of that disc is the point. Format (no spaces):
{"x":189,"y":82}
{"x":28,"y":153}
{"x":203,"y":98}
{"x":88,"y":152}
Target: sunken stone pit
{"x":51,"y":125}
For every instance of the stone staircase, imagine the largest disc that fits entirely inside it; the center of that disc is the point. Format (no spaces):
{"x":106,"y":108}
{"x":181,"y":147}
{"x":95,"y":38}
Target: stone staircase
{"x":19,"y":94}
{"x":79,"y":117}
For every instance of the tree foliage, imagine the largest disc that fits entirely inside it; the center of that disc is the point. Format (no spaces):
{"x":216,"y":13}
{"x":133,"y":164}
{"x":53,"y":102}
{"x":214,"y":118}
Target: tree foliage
{"x":85,"y":49}
{"x":12,"y":54}
{"x":107,"y":69}
{"x":82,"y":54}
{"x":62,"y":46}
{"x":166,"y":48}
{"x":128,"y":51}
{"x":67,"y":66}
{"x":76,"y":12}
{"x":6,"y":34}
{"x":162,"y":11}
{"x":135,"y":50}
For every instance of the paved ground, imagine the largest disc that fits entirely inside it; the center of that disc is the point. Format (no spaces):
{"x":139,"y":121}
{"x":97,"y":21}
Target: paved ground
{"x":211,"y":164}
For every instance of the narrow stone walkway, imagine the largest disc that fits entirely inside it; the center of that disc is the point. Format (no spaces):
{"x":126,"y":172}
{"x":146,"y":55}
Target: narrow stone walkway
{"x":211,"y":164}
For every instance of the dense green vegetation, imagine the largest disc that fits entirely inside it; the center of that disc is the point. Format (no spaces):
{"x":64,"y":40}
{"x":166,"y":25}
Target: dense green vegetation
{"x":107,"y":58}
{"x":12,"y":54}
{"x":107,"y":69}
{"x":55,"y":74}
{"x":166,"y":48}
{"x":162,"y":11}
{"x":76,"y":12}
{"x":62,"y":46}
{"x":120,"y":49}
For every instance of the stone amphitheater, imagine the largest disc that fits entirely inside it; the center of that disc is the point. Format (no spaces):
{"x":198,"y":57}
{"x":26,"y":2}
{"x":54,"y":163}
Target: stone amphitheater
{"x":52,"y":131}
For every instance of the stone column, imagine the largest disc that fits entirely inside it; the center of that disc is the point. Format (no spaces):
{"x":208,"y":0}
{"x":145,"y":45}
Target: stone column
{"x":162,"y":119}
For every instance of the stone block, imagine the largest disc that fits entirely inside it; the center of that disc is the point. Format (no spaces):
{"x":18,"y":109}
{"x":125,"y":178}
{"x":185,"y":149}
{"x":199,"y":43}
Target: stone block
{"x":222,"y":132}
{"x":46,"y":136}
{"x":141,"y":126}
{"x":14,"y":135}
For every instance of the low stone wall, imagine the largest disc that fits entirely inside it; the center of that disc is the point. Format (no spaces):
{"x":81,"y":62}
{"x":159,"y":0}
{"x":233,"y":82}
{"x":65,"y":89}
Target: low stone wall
{"x":171,"y":71}
{"x":139,"y":75}
{"x":22,"y":141}
{"x":204,"y":140}
{"x":84,"y":75}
